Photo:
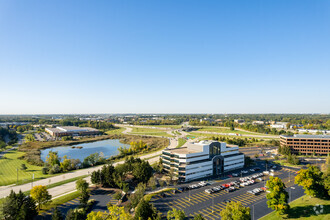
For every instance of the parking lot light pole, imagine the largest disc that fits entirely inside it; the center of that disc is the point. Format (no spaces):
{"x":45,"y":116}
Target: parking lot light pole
{"x":212,"y":205}
{"x":189,"y":194}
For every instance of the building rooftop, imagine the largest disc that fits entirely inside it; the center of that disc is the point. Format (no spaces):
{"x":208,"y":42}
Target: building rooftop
{"x":307,"y":136}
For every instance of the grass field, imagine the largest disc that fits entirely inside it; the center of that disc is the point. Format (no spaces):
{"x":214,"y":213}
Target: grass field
{"x":8,"y":172}
{"x":303,"y":208}
{"x":150,"y":131}
{"x":116,"y":131}
{"x":164,"y":126}
{"x":227,"y":130}
{"x":182,"y":141}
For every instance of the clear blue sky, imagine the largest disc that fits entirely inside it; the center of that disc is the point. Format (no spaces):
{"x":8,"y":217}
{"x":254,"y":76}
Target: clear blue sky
{"x":179,"y":56}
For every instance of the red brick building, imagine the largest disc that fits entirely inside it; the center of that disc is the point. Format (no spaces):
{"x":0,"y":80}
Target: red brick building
{"x":307,"y":144}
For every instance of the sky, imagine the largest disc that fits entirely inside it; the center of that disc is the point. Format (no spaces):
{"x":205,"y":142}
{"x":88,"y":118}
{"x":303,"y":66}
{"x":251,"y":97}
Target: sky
{"x":173,"y":56}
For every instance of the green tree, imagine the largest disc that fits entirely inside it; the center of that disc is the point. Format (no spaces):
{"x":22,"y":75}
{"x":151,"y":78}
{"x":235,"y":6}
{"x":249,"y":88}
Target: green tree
{"x":82,"y":187}
{"x":23,"y":166}
{"x":235,"y":211}
{"x":114,"y":213}
{"x":2,"y":144}
{"x":117,"y":195}
{"x":29,"y":138}
{"x":143,"y":171}
{"x":18,"y":206}
{"x":75,"y":214}
{"x":278,"y":197}
{"x":145,"y":210}
{"x":311,"y":179}
{"x":57,"y":215}
{"x":40,"y":195}
{"x":53,"y":158}
{"x":152,"y":183}
{"x":176,"y":214}
{"x":138,"y":195}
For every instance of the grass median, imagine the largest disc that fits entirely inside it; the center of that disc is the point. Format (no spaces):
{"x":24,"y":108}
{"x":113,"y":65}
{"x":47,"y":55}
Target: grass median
{"x":305,"y":208}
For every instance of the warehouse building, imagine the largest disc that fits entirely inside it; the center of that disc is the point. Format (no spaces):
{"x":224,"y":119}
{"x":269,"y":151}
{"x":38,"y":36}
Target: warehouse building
{"x":203,"y":159}
{"x":71,"y":131}
{"x":307,"y":144}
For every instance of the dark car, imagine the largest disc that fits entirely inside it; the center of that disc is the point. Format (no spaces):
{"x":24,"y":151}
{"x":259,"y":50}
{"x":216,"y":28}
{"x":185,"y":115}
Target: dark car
{"x":227,"y":201}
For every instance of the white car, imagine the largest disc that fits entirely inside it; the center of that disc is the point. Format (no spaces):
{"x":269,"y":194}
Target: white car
{"x":209,"y":191}
{"x":266,"y":172}
{"x":244,"y":171}
{"x":234,"y":174}
{"x":271,"y":174}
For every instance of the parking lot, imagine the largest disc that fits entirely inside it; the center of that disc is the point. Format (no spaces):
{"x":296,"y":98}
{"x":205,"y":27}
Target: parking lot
{"x":101,"y":196}
{"x":197,"y":201}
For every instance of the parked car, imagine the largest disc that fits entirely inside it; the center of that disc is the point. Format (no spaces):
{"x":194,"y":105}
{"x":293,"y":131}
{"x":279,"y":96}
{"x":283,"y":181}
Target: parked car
{"x":226,"y":201}
{"x":257,"y":168}
{"x":209,"y":191}
{"x":234,"y":174}
{"x":252,"y":170}
{"x":244,"y":171}
{"x":266,"y":172}
{"x":272,"y":170}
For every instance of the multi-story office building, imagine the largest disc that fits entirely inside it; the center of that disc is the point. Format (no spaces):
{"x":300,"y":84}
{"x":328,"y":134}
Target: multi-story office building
{"x":203,"y":159}
{"x":71,"y":131}
{"x":307,"y":144}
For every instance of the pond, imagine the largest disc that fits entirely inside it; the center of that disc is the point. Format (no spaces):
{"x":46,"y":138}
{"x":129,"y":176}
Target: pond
{"x":107,"y":147}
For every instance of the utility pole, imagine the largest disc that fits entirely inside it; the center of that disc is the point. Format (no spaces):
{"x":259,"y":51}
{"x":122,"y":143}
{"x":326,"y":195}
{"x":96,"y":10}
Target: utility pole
{"x":17,"y":176}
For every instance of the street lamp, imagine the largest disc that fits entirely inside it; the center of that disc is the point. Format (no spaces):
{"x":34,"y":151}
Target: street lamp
{"x":17,"y":176}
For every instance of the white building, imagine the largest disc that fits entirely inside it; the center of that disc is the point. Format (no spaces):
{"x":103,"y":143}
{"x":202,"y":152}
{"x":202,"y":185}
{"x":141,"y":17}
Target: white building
{"x":203,"y":159}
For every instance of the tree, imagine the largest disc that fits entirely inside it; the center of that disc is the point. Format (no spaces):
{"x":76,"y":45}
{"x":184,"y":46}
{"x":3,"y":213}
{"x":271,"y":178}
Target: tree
{"x":117,"y":195}
{"x":311,"y":180}
{"x":138,"y":195}
{"x":145,"y":210}
{"x":278,"y":197}
{"x":29,"y":138}
{"x":82,"y":187}
{"x":23,"y":166}
{"x":199,"y":217}
{"x":57,"y":215}
{"x":171,"y":174}
{"x":114,"y":213}
{"x":53,"y":158}
{"x":143,"y":171}
{"x":176,"y":214}
{"x":40,"y":195}
{"x":256,"y":155}
{"x":235,"y":211}
{"x":75,"y":214}
{"x":152,"y":183}
{"x":2,"y":144}
{"x":19,"y":206}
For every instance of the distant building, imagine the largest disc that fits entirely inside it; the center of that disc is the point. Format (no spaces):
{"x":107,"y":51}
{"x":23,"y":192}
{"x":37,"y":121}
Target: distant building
{"x":71,"y":131}
{"x":239,"y":121}
{"x":258,"y":122}
{"x":307,"y":144}
{"x":279,"y":125}
{"x":203,"y":159}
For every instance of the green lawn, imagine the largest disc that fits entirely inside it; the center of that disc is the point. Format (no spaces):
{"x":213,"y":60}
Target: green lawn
{"x":164,"y":126}
{"x":182,"y":141}
{"x":150,"y":131}
{"x":116,"y":131}
{"x":303,"y":208}
{"x":8,"y":172}
{"x":227,"y":130}
{"x":60,"y":200}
